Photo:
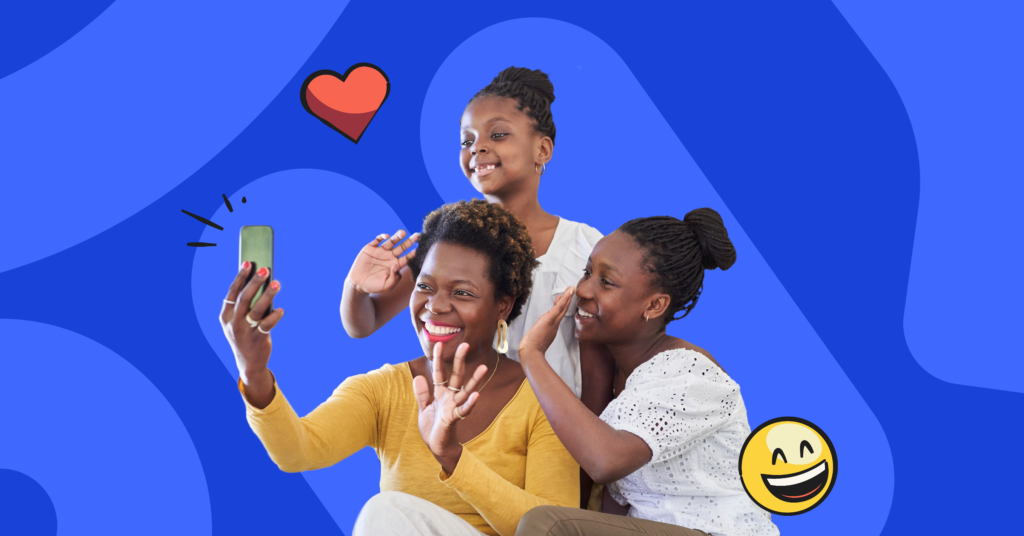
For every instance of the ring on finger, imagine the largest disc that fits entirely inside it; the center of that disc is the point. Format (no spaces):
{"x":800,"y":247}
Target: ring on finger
{"x":441,"y":383}
{"x":229,"y":301}
{"x":252,"y":323}
{"x":450,"y":388}
{"x":458,"y":413}
{"x":258,"y":328}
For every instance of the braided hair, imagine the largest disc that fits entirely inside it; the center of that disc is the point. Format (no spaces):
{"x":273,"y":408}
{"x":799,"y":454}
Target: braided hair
{"x":532,"y":90}
{"x":493,"y":231}
{"x":677,"y":253}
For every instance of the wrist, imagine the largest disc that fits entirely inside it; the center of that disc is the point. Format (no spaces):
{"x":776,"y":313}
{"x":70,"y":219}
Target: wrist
{"x":449,"y":458}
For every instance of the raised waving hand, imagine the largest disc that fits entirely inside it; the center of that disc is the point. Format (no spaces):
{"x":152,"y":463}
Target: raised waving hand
{"x":377,"y":267}
{"x":444,"y":405}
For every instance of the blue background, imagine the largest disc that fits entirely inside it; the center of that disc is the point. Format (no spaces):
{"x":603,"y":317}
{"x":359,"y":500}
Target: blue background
{"x":861,"y":153}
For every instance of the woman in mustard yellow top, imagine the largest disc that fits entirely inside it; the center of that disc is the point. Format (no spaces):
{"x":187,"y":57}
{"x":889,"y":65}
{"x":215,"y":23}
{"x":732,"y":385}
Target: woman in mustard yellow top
{"x":453,"y":460}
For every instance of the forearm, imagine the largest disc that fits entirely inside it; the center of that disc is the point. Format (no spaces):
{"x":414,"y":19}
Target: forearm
{"x":358,"y":312}
{"x":597,"y":372}
{"x":501,"y":503}
{"x":603,"y":452}
{"x":330,"y":433}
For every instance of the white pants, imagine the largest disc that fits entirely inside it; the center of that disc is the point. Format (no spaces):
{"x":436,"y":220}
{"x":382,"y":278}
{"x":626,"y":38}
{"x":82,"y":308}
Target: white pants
{"x":401,"y":514}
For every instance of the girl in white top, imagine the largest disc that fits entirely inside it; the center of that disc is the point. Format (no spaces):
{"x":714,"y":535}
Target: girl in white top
{"x":668,"y":446}
{"x":507,"y":138}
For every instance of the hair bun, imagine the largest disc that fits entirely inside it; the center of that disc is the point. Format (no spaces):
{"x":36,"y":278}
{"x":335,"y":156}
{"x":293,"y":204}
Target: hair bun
{"x":716,"y":249}
{"x":535,"y":80}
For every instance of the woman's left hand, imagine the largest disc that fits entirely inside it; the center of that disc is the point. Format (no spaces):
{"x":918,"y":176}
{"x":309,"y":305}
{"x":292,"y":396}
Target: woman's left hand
{"x":439,"y":414}
{"x":542,"y":334}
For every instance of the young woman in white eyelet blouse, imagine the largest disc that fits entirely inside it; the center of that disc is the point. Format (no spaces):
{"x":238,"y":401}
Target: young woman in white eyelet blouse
{"x":667,"y":447}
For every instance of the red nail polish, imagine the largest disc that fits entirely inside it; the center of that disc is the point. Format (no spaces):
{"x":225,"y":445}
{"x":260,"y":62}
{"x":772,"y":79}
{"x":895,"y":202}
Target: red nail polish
{"x":275,"y":285}
{"x":245,"y":265}
{"x":263,"y":272}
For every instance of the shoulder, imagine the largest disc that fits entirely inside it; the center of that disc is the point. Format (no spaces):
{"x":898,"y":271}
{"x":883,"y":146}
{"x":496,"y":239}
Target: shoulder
{"x":570,"y":253}
{"x":585,"y":235}
{"x":678,"y":369}
{"x":383,"y":379}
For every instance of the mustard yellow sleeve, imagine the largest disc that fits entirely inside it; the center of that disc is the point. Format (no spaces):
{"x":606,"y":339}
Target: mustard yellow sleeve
{"x":336,"y":429}
{"x":552,"y":478}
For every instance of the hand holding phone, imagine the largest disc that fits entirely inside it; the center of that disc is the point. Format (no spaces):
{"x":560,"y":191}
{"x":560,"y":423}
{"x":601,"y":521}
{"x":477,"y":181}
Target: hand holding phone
{"x":256,"y":245}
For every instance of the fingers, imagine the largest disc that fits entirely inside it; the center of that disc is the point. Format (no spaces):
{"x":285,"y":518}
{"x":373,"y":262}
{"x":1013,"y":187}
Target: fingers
{"x":263,"y":303}
{"x":403,"y":261}
{"x":406,"y":244}
{"x":395,"y":239}
{"x":467,"y":408}
{"x":245,"y":298}
{"x":269,"y":322}
{"x":438,"y":365}
{"x":376,"y":241}
{"x":458,"y":366}
{"x":422,"y":390}
{"x":227,"y":310}
{"x":471,"y":385}
{"x":564,"y":300}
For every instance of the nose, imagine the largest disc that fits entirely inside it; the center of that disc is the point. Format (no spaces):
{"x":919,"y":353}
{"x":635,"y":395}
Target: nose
{"x":478,"y":147}
{"x":438,"y":304}
{"x":583,"y":289}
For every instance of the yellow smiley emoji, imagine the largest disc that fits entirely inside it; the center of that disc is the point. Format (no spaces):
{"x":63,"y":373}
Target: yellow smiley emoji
{"x":788,"y":466}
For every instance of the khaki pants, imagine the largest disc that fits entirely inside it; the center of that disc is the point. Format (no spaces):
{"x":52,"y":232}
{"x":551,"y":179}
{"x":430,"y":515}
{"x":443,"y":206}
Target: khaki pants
{"x":561,"y":521}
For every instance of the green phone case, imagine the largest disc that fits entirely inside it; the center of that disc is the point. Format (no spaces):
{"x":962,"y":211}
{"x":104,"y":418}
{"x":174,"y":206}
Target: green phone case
{"x":256,"y":245}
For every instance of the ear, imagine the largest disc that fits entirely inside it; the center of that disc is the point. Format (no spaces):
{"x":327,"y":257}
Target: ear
{"x":505,"y":307}
{"x":657,"y":305}
{"x":545,"y":149}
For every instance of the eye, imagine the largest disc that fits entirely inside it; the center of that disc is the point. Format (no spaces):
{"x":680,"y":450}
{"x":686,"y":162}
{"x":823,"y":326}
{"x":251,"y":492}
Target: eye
{"x":607,"y":283}
{"x":422,"y":286}
{"x":776,"y":454}
{"x":466,"y":143}
{"x":586,"y":272}
{"x":498,"y":135}
{"x":464,"y":293}
{"x":803,"y":444}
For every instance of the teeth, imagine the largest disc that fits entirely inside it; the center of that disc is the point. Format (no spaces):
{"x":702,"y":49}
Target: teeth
{"x":585,"y":314}
{"x":793,"y":480}
{"x":484,"y":168}
{"x":441,"y":330}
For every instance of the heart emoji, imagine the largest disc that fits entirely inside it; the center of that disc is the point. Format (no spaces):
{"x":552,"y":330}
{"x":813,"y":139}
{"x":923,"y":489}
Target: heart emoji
{"x":346,"y":102}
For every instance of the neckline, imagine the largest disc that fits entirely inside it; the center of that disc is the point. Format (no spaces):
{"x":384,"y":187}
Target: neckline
{"x":526,"y":382}
{"x":629,"y":380}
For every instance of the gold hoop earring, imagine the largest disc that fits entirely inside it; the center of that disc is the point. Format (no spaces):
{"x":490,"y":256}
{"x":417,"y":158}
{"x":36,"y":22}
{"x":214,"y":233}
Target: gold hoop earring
{"x":502,"y":336}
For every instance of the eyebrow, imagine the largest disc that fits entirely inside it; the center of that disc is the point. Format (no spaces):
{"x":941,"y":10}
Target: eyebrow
{"x":608,"y":267}
{"x":456,"y":282}
{"x":499,"y":118}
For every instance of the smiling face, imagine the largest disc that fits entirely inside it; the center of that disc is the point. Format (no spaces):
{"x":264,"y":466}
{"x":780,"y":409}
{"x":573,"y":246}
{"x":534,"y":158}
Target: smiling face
{"x":614,"y":293}
{"x":500,"y":147}
{"x":453,"y":301}
{"x":788,"y":466}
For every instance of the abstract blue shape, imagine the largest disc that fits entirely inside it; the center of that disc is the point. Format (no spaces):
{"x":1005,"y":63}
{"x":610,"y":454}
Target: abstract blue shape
{"x":626,"y":162}
{"x":29,"y":30}
{"x":97,"y":436}
{"x":321,"y":220}
{"x":25,"y":507}
{"x":108,"y":122}
{"x":957,"y":69}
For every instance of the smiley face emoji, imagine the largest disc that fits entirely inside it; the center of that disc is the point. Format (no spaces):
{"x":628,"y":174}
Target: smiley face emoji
{"x":788,"y":466}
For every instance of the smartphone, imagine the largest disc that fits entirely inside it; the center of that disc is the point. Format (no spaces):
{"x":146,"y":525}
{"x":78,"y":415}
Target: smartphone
{"x":256,"y":245}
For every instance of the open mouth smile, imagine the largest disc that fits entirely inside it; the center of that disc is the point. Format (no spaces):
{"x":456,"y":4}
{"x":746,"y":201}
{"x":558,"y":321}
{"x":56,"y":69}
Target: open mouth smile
{"x":440,"y":332}
{"x":485,"y":169}
{"x":798,"y":487}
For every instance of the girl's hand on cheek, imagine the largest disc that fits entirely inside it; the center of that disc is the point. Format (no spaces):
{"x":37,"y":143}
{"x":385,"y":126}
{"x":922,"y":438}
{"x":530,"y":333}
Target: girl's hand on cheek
{"x":542,"y":334}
